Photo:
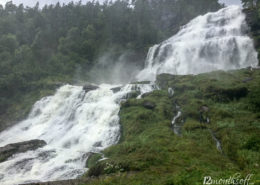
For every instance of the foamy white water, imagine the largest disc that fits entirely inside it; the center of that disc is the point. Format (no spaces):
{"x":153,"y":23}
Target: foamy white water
{"x":71,"y":122}
{"x":215,"y":41}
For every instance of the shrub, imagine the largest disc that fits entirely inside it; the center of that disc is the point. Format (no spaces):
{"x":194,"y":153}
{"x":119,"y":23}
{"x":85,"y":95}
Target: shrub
{"x":253,"y":143}
{"x":254,"y":99}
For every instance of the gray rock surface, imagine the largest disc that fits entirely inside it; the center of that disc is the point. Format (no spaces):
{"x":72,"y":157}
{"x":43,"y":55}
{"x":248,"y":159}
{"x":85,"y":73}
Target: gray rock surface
{"x":15,"y":148}
{"x":149,"y":105}
{"x":116,"y":89}
{"x":89,"y":87}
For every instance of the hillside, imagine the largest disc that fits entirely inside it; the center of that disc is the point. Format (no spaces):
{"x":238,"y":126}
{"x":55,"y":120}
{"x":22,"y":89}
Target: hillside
{"x":149,"y":152}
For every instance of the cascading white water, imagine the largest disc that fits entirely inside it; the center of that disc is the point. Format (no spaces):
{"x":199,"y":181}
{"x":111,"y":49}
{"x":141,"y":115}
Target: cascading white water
{"x":72,"y":121}
{"x":215,"y":41}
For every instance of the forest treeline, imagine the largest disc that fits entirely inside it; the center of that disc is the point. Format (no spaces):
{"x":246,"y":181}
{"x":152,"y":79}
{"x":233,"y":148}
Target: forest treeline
{"x":54,"y":41}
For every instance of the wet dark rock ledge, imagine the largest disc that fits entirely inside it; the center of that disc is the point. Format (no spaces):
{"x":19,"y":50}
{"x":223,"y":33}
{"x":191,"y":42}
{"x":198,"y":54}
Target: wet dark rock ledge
{"x":21,"y":147}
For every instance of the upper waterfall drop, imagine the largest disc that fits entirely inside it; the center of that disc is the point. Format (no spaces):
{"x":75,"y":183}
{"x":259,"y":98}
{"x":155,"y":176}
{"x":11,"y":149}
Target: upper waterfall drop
{"x":214,"y":41}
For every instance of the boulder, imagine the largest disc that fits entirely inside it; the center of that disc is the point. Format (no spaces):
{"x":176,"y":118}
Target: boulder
{"x":98,"y":144}
{"x":89,"y":87}
{"x":15,"y":148}
{"x":92,"y":159}
{"x":131,"y":94}
{"x":141,"y":83}
{"x":203,"y":112}
{"x":116,"y":89}
{"x":149,"y":105}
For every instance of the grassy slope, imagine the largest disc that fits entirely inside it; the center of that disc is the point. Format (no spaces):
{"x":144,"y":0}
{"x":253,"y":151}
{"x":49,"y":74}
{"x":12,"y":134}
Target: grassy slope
{"x":150,"y":153}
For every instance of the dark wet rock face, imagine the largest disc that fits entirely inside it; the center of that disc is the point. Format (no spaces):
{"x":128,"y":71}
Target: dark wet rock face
{"x":98,"y":144}
{"x":92,"y":159}
{"x":89,"y":87}
{"x":132,"y":94}
{"x":140,"y":83}
{"x":15,"y":148}
{"x":204,"y":114}
{"x":149,"y":105}
{"x":116,"y":89}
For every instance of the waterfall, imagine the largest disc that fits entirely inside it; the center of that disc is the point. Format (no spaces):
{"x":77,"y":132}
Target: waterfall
{"x":215,"y":41}
{"x":73,"y":121}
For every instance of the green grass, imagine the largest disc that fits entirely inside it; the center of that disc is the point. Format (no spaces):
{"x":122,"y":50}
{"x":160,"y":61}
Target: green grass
{"x":150,"y":153}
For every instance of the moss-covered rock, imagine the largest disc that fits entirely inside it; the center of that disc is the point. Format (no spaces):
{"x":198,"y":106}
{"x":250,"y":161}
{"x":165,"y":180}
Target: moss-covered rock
{"x":93,"y":158}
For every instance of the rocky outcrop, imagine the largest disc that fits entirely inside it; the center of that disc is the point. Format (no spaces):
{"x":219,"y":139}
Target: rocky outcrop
{"x":92,"y":159}
{"x":149,"y":105}
{"x":15,"y":148}
{"x":116,"y":89}
{"x":140,"y":83}
{"x":204,"y":114}
{"x":89,"y":87}
{"x":131,"y":94}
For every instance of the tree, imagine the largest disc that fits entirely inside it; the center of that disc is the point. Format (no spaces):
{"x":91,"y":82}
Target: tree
{"x":8,"y":43}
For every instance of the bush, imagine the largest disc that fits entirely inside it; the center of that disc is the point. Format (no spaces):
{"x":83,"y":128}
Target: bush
{"x":96,"y":170}
{"x":254,"y":99}
{"x":253,"y":143}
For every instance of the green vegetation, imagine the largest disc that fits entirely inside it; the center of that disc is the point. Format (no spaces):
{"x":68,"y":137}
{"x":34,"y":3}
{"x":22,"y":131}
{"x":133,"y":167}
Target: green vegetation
{"x":150,"y":153}
{"x":61,"y":43}
{"x":93,"y":159}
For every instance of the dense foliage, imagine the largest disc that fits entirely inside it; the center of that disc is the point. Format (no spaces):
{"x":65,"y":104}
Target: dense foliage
{"x":39,"y":47}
